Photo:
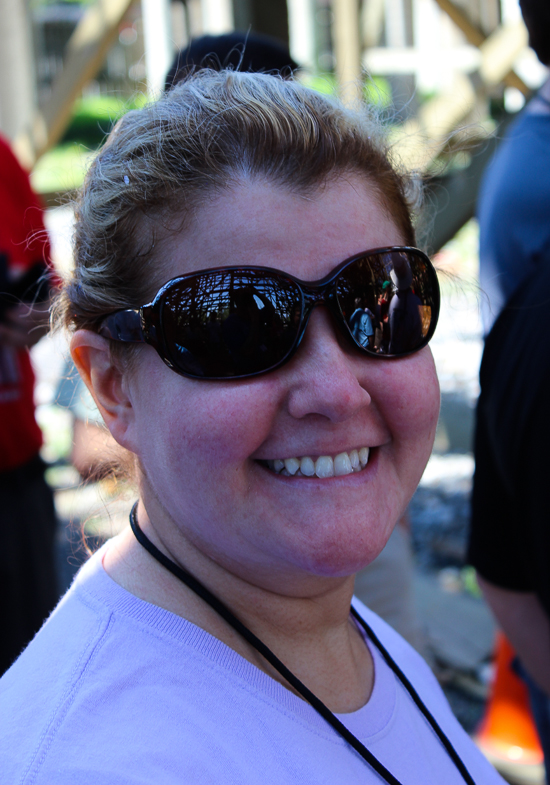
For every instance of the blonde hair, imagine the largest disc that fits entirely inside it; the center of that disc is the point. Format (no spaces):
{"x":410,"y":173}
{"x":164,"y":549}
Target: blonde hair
{"x":210,"y":132}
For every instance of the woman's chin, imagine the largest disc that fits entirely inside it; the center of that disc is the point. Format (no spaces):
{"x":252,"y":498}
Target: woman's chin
{"x":340,"y":559}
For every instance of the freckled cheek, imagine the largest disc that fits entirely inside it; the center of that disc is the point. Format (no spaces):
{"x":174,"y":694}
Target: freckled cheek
{"x":411,"y":402}
{"x":213,"y":426}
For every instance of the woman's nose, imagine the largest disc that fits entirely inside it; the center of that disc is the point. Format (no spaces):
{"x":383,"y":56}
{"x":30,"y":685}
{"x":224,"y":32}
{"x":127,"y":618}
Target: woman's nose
{"x":323,"y":373}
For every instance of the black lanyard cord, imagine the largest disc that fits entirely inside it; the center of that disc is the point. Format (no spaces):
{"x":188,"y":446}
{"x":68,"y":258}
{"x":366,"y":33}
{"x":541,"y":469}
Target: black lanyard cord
{"x":453,"y":754}
{"x":216,"y":604}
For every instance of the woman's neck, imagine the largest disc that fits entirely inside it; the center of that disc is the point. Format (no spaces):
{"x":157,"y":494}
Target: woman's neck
{"x":313,"y":635}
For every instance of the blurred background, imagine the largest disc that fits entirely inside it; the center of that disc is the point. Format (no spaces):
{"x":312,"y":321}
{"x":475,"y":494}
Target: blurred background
{"x":70,"y":68}
{"x":449,"y":75}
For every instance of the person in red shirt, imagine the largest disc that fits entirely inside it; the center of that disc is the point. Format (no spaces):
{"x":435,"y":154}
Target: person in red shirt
{"x":28,"y":584}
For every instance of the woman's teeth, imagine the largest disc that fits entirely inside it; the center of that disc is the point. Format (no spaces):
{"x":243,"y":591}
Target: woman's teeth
{"x":324,"y":466}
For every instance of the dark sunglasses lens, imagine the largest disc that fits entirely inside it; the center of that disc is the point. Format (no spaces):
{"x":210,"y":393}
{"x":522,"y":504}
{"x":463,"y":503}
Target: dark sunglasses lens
{"x":232,"y":323}
{"x":389,"y":301}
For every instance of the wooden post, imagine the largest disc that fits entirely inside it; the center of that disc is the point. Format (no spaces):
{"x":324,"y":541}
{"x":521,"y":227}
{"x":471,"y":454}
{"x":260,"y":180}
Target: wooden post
{"x":85,"y":53}
{"x":17,"y":85}
{"x":158,"y":47}
{"x":347,"y":49}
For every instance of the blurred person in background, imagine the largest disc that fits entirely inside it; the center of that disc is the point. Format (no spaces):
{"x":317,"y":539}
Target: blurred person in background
{"x":510,"y":533}
{"x":514,"y":200}
{"x":237,"y":51}
{"x":28,"y":585}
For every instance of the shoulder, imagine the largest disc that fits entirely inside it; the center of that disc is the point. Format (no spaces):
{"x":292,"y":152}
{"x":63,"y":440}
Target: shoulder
{"x":525,"y":139}
{"x":7,"y":158}
{"x":107,"y":670}
{"x":409,"y":661}
{"x":424,"y":684}
{"x":38,"y":689}
{"x":401,"y":651}
{"x":520,"y":161}
{"x":15,"y":180}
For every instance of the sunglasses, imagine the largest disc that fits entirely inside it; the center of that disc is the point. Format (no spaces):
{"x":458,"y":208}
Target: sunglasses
{"x":239,"y":322}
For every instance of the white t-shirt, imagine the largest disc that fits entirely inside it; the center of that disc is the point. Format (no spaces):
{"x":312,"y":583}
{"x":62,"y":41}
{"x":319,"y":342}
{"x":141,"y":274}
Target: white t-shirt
{"x":116,"y":690}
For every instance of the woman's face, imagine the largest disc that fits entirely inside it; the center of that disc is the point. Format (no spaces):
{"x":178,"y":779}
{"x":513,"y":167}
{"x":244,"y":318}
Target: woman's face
{"x":204,"y":446}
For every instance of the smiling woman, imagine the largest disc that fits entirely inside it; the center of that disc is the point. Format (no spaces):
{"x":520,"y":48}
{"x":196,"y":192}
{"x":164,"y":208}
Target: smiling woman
{"x":226,"y":239}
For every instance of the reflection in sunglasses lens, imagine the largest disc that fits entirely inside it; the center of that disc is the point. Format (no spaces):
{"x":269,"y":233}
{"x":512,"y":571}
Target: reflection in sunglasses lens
{"x":240,"y":322}
{"x":230,"y":323}
{"x":387,"y":301}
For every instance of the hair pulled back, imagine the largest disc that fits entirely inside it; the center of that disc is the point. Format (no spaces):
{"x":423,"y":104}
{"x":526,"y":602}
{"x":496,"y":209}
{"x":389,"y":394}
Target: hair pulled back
{"x":212,"y":131}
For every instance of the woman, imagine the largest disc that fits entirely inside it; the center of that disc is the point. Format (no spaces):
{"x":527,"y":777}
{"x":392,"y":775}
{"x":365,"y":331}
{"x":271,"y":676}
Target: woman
{"x":273,"y":456}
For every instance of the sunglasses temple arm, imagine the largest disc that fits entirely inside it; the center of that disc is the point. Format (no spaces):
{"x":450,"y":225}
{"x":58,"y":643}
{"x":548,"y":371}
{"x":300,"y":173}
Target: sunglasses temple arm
{"x":123,"y":326}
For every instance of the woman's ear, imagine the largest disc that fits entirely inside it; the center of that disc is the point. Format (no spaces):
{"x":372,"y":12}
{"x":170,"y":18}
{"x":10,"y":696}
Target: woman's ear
{"x":105,"y":380}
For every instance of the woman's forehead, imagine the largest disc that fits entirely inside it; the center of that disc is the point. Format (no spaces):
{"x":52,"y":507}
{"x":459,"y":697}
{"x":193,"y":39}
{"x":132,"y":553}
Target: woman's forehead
{"x":266,"y":224}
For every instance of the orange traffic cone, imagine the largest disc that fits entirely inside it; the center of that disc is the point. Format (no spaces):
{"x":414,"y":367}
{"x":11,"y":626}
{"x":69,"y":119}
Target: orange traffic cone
{"x":507,"y":734}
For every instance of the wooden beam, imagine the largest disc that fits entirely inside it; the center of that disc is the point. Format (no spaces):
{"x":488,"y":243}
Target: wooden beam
{"x":472,"y":33}
{"x":84,"y":56}
{"x":474,"y":36}
{"x":422,"y":138}
{"x":499,"y":52}
{"x":451,"y":199}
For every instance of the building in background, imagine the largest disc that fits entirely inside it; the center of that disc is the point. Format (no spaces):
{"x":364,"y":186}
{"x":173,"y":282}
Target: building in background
{"x":70,"y":69}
